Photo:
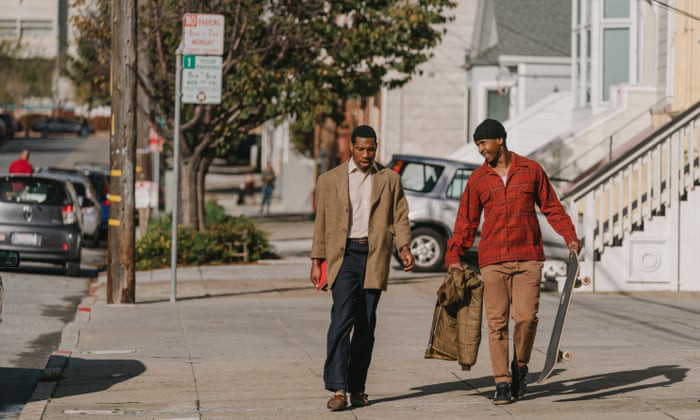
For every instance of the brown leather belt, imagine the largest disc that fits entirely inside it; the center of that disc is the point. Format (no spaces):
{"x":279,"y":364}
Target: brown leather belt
{"x":363,"y":241}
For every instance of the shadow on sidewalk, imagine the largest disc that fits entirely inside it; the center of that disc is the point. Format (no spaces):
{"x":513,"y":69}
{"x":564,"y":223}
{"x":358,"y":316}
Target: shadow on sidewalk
{"x":85,"y":376}
{"x":81,"y":376}
{"x":16,"y":387}
{"x":589,"y":387}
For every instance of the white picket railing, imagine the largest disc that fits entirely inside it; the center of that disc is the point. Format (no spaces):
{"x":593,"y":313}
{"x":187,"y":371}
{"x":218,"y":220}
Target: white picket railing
{"x":641,"y":184}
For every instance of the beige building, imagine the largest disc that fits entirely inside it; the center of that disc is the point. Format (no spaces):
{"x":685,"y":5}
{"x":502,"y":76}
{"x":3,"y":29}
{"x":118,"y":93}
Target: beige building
{"x":41,"y":28}
{"x":40,"y":25}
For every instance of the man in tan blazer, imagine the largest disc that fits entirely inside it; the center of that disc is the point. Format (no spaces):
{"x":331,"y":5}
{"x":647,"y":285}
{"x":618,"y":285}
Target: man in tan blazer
{"x":360,"y":211}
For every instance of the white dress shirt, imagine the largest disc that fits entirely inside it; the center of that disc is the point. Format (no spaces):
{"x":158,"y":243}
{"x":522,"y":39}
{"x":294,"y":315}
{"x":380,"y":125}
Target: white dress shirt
{"x":360,"y":189}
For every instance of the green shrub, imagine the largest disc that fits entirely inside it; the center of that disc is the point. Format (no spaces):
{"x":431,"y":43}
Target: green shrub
{"x":218,"y":244}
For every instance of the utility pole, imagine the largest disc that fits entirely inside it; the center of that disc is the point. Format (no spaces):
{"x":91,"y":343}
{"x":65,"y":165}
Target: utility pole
{"x":122,"y":149}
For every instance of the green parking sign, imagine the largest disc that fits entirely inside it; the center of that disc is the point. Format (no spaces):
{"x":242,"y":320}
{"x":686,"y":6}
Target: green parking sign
{"x":189,"y":61}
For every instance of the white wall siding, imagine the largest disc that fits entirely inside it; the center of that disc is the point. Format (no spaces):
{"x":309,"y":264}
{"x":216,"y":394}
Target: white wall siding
{"x":427,"y":115}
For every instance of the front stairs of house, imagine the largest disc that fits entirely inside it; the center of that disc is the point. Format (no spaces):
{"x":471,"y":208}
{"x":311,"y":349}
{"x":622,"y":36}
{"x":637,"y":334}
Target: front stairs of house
{"x":639,"y":213}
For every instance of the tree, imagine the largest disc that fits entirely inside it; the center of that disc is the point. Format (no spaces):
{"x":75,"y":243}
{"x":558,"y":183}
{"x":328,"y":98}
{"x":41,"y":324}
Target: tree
{"x":23,"y":76}
{"x":89,"y":70}
{"x":282,"y":58}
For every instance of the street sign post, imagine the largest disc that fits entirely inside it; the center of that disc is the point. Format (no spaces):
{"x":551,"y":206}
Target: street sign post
{"x":201,"y":79}
{"x":200,"y":83}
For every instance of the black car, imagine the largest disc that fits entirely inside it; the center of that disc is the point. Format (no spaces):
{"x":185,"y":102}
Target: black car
{"x":62,"y":125}
{"x":40,"y":217}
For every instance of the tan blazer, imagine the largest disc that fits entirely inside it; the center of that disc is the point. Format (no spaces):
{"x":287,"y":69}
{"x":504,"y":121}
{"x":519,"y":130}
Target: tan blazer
{"x":388,"y":220}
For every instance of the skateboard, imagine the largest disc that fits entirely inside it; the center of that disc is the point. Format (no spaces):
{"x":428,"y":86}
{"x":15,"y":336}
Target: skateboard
{"x":554,"y":354}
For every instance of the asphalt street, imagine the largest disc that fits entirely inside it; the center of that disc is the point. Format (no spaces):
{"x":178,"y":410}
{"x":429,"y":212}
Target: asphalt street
{"x":39,"y":299}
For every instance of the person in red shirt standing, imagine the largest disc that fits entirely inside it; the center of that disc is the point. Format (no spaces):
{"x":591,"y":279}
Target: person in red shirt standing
{"x":22,"y":165}
{"x":507,"y":187}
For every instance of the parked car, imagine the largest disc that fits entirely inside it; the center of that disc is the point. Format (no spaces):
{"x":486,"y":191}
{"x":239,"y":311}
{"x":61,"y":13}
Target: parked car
{"x":99,"y":177}
{"x":62,"y":125}
{"x":433,"y":188}
{"x":12,"y":126}
{"x":40,"y":218}
{"x":8,"y":259}
{"x":3,"y":130}
{"x":87,"y":199}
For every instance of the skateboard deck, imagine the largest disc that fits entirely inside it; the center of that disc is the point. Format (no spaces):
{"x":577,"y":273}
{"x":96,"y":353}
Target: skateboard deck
{"x":554,"y":354}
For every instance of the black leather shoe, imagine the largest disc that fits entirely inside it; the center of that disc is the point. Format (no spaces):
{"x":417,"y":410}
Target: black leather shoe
{"x":502,"y":395}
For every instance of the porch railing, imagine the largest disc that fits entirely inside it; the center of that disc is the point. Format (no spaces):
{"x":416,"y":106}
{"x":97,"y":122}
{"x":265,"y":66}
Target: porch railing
{"x":643,"y":182}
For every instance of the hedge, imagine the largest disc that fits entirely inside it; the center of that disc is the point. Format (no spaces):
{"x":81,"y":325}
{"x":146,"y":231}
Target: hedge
{"x":221,"y":243}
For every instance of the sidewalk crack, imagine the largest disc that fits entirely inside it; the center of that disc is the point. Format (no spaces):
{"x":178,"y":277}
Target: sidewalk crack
{"x":191,"y":363}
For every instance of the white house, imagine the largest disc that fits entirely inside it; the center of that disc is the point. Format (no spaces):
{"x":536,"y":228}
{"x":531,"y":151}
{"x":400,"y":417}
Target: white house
{"x":519,"y":72}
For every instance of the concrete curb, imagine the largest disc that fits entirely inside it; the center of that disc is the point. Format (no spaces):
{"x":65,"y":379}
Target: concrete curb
{"x":59,"y":359}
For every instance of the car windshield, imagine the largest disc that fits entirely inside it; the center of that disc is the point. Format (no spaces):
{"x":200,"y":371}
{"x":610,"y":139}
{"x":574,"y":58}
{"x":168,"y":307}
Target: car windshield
{"x":32,"y":191}
{"x":417,"y":176}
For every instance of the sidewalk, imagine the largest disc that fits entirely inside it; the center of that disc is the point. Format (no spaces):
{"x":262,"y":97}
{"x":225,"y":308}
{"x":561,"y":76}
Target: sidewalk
{"x":247,"y":342}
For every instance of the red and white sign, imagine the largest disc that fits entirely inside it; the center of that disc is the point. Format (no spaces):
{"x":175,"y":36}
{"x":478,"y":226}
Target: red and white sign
{"x":203,"y":34}
{"x":155,"y":140}
{"x":145,"y":194}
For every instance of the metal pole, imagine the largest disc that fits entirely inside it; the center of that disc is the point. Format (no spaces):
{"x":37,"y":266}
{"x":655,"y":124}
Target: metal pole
{"x":176,"y":167}
{"x":156,"y":180}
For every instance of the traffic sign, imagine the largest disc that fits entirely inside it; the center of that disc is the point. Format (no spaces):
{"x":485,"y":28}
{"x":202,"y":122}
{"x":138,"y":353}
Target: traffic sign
{"x":201,"y":79}
{"x":203,"y":34}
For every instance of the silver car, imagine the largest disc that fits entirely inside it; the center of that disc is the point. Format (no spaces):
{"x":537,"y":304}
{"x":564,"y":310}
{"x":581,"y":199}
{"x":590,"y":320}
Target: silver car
{"x":87,"y":197}
{"x":40,"y":218}
{"x":433,"y":188}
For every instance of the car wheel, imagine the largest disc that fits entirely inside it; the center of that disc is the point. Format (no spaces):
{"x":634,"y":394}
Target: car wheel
{"x":428,"y":248}
{"x":73,"y":268}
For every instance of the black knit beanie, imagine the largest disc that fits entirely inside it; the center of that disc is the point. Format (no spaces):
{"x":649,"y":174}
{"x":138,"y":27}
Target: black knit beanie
{"x":490,"y":129}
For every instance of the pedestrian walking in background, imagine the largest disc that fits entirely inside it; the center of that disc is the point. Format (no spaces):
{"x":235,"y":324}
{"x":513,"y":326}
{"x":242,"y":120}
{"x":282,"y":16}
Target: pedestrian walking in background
{"x":507,"y":187}
{"x":360,"y":210}
{"x":245,"y":189}
{"x":21,"y":165}
{"x":268,"y":179}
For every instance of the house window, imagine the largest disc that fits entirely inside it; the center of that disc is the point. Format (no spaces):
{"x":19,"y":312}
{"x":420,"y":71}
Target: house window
{"x":616,"y":9}
{"x":616,"y":62}
{"x":36,"y":28}
{"x":8,"y":27}
{"x":582,"y":53}
{"x":498,"y":104}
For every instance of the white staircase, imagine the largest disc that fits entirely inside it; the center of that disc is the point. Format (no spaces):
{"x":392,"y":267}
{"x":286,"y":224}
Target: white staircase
{"x":639,"y":214}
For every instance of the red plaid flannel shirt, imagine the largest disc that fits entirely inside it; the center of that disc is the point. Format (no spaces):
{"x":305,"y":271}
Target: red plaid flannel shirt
{"x":511,"y":231}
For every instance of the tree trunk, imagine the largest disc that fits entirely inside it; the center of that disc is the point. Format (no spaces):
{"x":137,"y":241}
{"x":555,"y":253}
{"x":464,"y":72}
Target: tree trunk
{"x":188,"y":192}
{"x":201,"y":188}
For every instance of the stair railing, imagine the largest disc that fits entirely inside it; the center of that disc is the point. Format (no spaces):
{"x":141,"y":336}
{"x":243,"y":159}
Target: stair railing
{"x":643,"y":182}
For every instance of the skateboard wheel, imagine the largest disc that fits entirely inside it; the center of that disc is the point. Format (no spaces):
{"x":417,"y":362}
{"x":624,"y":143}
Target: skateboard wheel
{"x":586,"y":281}
{"x":565,"y":355}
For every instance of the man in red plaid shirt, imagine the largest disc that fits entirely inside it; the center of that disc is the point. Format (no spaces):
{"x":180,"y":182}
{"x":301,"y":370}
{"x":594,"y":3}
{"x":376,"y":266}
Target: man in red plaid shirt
{"x":507,"y":187}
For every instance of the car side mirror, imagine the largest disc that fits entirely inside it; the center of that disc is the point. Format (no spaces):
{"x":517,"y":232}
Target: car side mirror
{"x":9,"y":259}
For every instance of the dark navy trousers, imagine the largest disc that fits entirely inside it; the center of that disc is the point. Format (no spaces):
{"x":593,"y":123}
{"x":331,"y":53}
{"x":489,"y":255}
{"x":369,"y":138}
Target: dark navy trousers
{"x":354,"y":310}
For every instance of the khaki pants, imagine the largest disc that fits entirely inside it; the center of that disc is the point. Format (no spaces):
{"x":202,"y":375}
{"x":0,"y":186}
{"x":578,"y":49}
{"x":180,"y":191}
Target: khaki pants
{"x":517,"y":282}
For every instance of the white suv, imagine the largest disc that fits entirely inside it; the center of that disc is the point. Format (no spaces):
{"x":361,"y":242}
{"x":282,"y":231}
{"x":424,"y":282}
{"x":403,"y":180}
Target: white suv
{"x":433,"y":188}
